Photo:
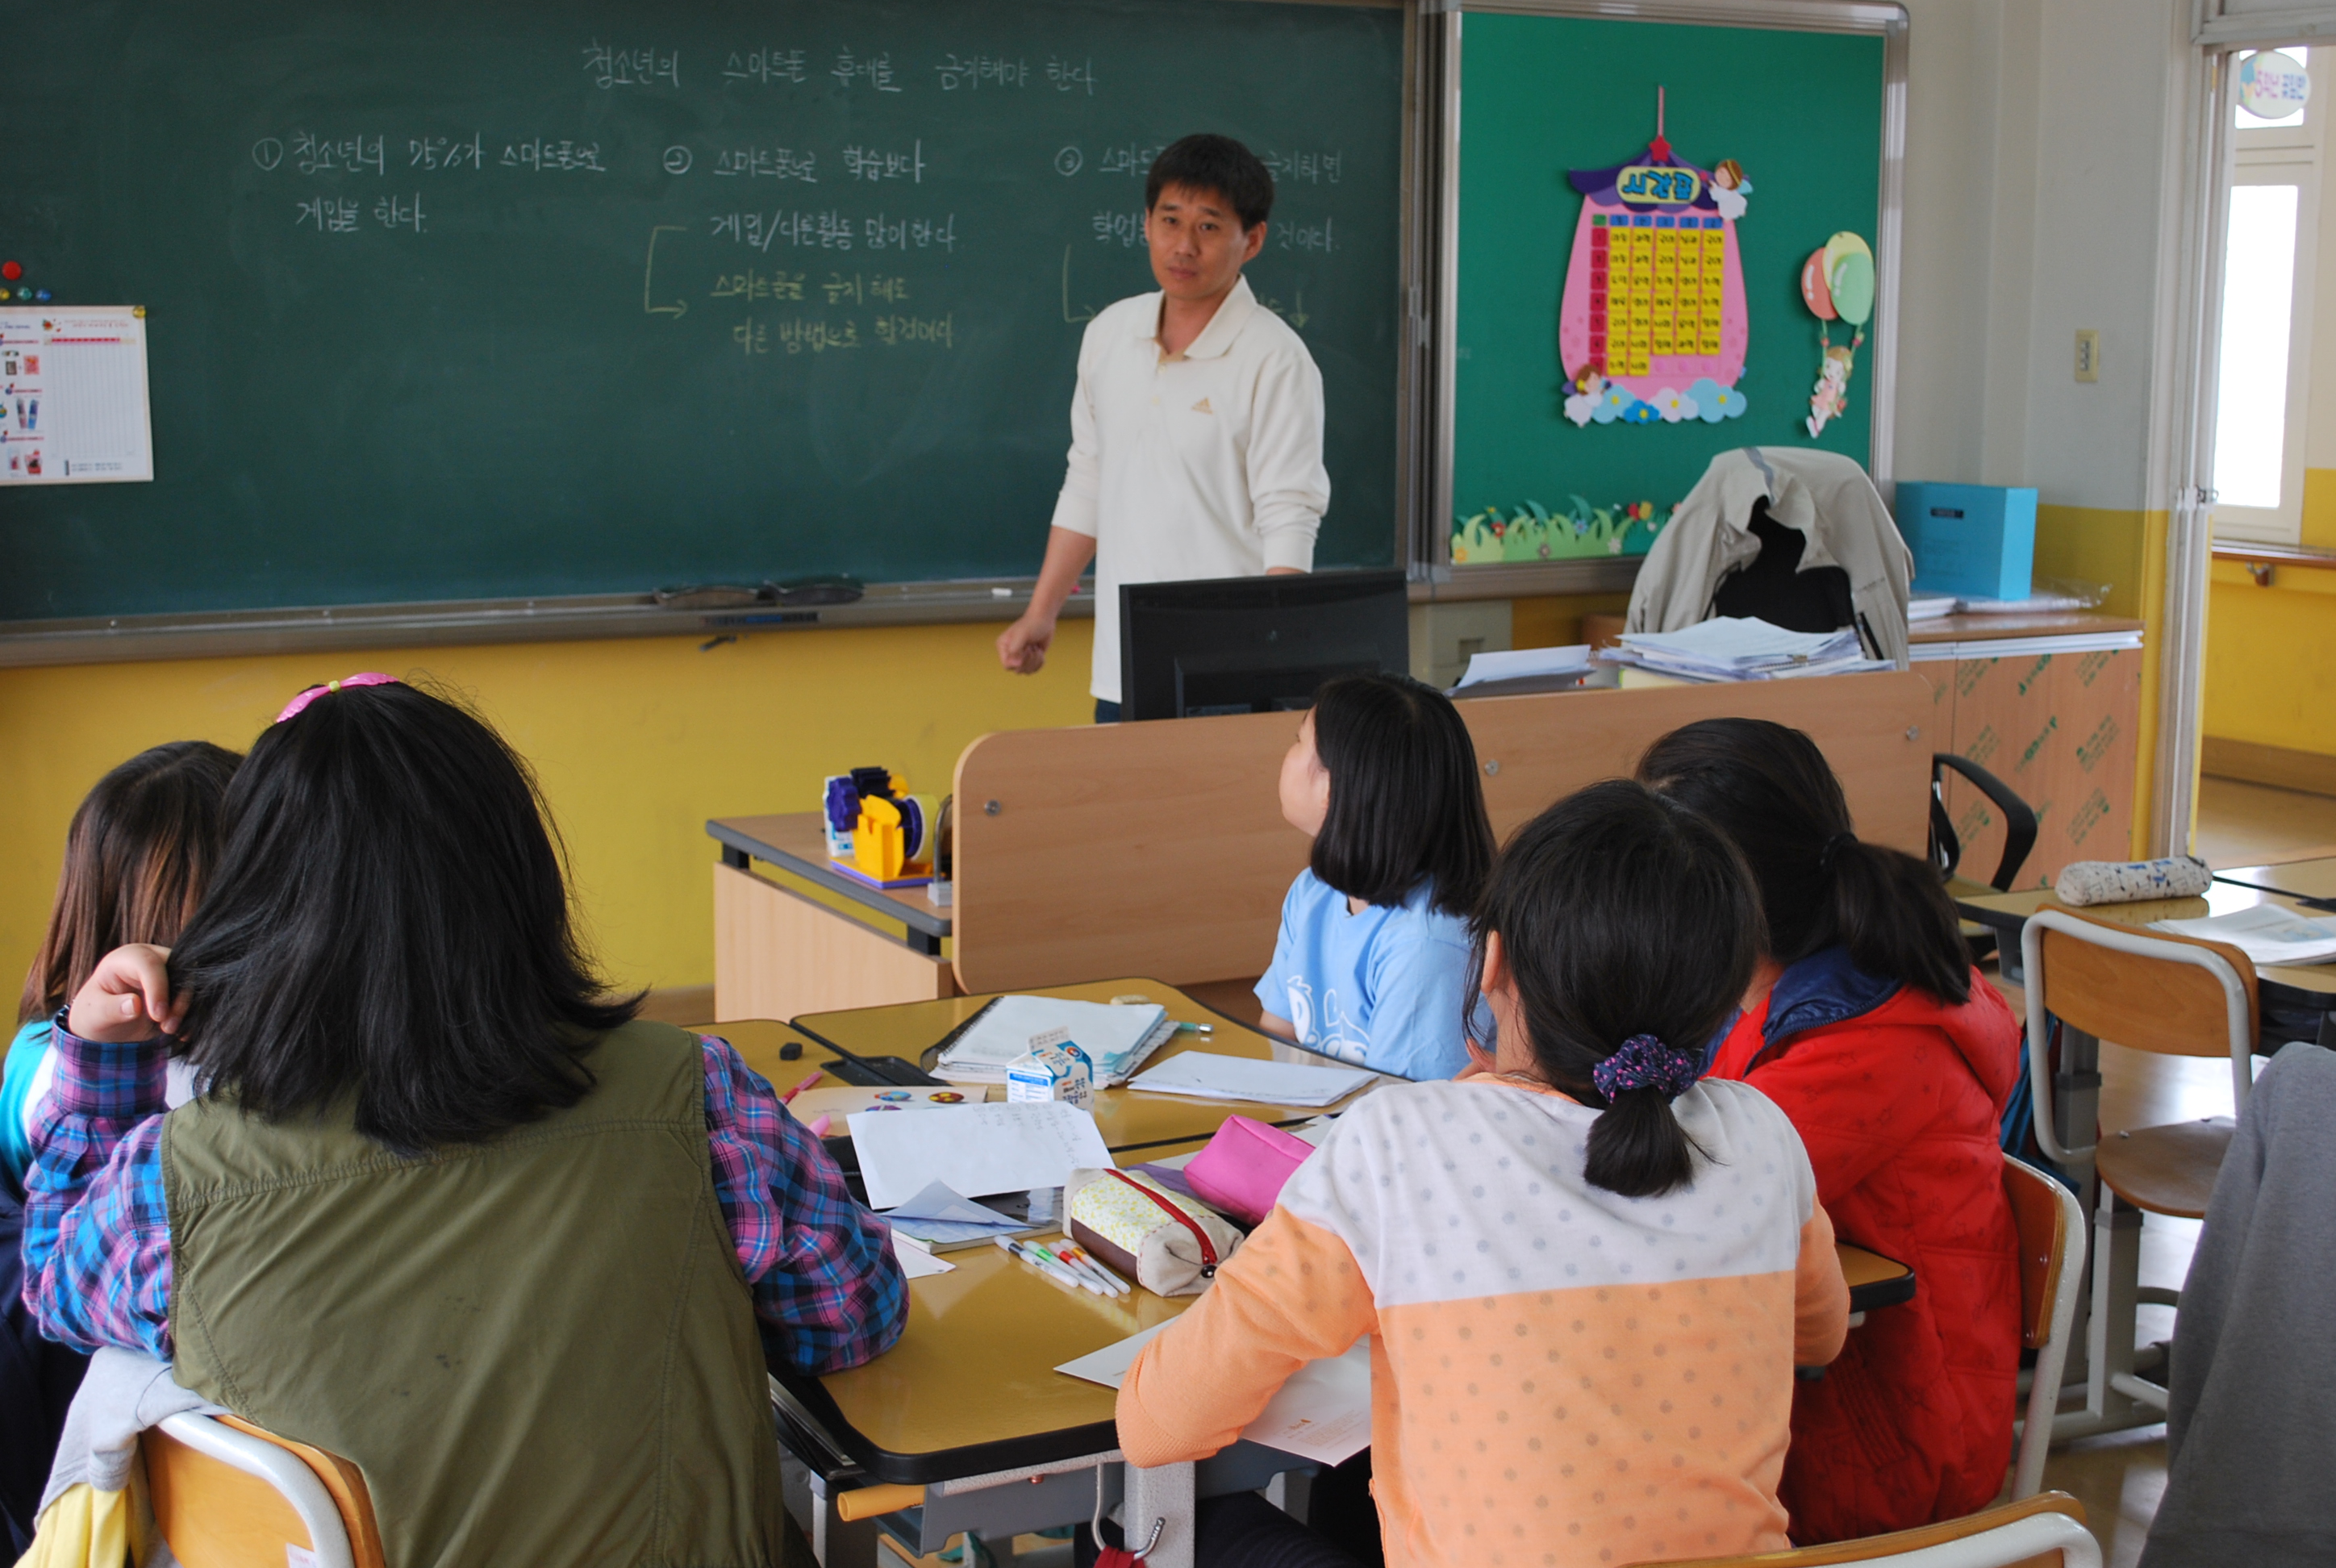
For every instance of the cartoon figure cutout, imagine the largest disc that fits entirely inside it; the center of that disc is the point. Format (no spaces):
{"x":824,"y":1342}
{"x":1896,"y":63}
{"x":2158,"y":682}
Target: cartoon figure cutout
{"x":1837,"y":285}
{"x":1653,"y":323}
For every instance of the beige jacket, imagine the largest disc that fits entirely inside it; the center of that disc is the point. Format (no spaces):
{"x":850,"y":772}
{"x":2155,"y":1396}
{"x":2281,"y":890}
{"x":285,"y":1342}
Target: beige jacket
{"x":1826,"y":496}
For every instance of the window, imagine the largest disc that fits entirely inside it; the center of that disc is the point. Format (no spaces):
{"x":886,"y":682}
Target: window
{"x":2263,"y":390}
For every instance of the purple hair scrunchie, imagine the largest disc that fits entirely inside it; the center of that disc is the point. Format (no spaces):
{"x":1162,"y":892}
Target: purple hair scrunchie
{"x":1644,"y":1062}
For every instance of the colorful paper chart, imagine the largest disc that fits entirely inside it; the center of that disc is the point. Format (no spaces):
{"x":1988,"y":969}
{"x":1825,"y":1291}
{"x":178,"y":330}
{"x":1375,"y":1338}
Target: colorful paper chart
{"x":1654,"y":291}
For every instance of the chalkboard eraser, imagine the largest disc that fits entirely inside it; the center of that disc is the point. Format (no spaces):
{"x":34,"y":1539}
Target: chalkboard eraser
{"x":810,"y":591}
{"x":708,"y":595}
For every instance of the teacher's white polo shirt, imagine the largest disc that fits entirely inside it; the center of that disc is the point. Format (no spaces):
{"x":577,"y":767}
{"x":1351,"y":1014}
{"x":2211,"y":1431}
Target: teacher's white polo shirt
{"x":1208,"y":464}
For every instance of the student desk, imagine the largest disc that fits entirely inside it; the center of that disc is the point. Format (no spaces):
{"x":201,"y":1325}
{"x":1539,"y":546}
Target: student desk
{"x":1129,"y":1120}
{"x":1159,"y":848}
{"x":968,"y":1408}
{"x":2292,"y":997}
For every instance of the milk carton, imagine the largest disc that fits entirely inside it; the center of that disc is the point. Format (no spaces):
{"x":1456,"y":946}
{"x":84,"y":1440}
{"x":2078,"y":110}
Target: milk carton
{"x":1052,"y":1069}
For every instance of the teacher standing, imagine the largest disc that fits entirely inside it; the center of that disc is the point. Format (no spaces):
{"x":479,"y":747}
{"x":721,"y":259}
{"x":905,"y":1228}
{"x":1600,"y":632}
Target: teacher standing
{"x":1196,"y":429}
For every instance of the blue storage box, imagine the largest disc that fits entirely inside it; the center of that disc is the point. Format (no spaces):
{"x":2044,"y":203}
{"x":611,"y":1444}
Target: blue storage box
{"x":1971,"y":540}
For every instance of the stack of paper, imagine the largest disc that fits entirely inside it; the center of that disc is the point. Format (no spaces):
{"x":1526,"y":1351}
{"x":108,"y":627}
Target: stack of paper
{"x":1518,"y":672}
{"x":945,"y":1221}
{"x":1117,"y":1040}
{"x":975,"y":1149}
{"x":2267,"y":933}
{"x":1924,"y":607}
{"x":1735,"y":647}
{"x":1206,"y":1075}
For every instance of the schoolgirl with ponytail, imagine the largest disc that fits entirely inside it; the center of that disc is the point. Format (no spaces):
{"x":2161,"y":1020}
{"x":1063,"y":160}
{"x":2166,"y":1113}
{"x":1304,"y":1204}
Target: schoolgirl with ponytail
{"x":1588,"y":1275}
{"x":1866,"y":1022}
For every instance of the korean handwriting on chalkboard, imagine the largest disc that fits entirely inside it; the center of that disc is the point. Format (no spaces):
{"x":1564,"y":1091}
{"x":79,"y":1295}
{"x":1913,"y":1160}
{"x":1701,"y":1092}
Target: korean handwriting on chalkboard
{"x":970,"y":72}
{"x":828,"y":231}
{"x":1127,"y":227}
{"x":440,"y":152}
{"x":769,"y":163}
{"x":767,"y":67}
{"x":329,"y":215}
{"x":751,"y":285}
{"x":876,"y":70}
{"x":894,"y":330}
{"x":869,"y":163}
{"x":397,"y":212}
{"x":1072,"y":75}
{"x":610,"y":67}
{"x":1305,"y":168}
{"x":541,"y":155}
{"x":753,"y":337}
{"x":314,"y":154}
{"x":1128,"y":160}
{"x":1293,"y":236}
{"x":859,"y":287}
{"x":912,"y":233}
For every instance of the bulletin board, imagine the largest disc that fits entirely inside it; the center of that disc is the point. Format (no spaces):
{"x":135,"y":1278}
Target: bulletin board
{"x":1631,"y":206}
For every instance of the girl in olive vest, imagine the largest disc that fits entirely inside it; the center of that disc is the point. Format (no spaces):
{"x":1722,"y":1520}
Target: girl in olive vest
{"x":443,"y":1209}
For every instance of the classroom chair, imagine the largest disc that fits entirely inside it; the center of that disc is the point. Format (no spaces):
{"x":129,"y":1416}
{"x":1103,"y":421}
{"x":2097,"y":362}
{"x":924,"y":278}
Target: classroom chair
{"x":2047,"y":1531}
{"x":2149,"y":992}
{"x":2051,"y":1226}
{"x":1947,"y":846}
{"x":227,"y":1495}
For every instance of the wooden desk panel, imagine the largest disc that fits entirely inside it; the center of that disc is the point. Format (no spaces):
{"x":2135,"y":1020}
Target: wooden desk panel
{"x":1130,"y":1121}
{"x":1159,"y":847}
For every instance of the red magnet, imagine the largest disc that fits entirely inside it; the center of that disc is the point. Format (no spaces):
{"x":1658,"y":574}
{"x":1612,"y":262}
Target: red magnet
{"x":12,"y":270}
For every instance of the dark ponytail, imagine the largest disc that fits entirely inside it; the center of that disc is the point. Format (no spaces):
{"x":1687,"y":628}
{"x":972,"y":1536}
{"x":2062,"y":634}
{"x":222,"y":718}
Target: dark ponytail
{"x":1770,"y":790}
{"x":1630,"y":929}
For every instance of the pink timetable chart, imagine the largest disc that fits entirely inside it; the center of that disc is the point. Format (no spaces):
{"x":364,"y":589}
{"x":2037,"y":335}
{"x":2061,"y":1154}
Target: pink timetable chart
{"x":72,"y":395}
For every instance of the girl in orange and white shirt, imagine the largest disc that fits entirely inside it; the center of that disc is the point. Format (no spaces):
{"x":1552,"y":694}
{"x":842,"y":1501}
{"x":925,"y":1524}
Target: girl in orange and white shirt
{"x":1588,"y":1277}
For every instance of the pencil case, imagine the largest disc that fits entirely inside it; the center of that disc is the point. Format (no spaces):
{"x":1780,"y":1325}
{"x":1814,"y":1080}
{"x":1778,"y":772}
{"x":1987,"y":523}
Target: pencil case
{"x":2123,"y":882}
{"x":1170,"y":1244}
{"x":1242,"y":1170}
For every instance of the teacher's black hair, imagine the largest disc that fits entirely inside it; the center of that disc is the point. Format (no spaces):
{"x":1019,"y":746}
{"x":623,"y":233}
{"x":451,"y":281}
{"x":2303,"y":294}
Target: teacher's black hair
{"x":389,"y":922}
{"x":1620,"y":913}
{"x":1218,"y":163}
{"x":1771,"y":791}
{"x":1405,"y":803}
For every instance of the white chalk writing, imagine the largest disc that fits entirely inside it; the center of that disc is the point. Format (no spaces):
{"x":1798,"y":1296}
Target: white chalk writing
{"x":876,"y":70}
{"x":767,"y":65}
{"x":970,"y":72}
{"x":769,"y":163}
{"x":612,"y":67}
{"x":868,"y":163}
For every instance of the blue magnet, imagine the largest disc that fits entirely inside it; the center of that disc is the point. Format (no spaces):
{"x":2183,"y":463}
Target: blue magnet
{"x":40,"y":295}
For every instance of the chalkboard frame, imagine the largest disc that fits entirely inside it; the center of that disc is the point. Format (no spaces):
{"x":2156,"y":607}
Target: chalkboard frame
{"x":1440,"y":47}
{"x":109,"y":639}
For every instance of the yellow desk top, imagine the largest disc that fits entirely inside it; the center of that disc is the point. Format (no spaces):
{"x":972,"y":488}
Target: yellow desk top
{"x":2309,"y":879}
{"x":971,"y":1387}
{"x":1129,"y":1120}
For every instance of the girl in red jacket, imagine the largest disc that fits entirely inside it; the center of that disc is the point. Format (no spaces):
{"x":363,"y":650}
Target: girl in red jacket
{"x":1893,"y":1056}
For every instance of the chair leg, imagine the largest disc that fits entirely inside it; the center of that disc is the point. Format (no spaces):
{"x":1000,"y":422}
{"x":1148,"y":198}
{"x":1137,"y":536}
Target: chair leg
{"x":2110,"y":1402}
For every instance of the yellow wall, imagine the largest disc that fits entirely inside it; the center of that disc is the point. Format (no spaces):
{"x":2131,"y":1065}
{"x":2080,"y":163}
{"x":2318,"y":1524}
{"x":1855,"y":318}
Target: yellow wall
{"x":2270,"y":658}
{"x":2125,"y":552}
{"x":637,"y":743}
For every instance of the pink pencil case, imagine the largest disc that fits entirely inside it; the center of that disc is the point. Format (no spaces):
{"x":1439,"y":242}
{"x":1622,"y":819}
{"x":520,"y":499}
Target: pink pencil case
{"x":1244,"y":1167}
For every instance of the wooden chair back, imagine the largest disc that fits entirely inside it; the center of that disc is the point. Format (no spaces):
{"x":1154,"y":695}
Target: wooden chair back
{"x":218,"y":1509}
{"x":2146,"y":1004}
{"x":2042,"y":1225}
{"x":2046,"y":1530}
{"x":1159,"y":849}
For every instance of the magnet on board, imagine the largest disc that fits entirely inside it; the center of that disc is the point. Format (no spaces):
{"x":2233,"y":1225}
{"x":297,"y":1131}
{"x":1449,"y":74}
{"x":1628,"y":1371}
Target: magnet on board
{"x":40,"y":296}
{"x":12,"y":270}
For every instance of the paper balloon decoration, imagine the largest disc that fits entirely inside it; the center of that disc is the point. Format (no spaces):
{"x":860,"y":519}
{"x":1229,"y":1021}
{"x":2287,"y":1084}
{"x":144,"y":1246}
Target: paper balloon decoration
{"x":1837,"y":285}
{"x":1849,"y":275}
{"x":1815,"y":291}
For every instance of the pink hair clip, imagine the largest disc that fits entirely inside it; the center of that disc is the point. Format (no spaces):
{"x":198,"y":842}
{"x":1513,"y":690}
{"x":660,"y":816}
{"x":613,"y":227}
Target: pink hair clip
{"x":298,"y":705}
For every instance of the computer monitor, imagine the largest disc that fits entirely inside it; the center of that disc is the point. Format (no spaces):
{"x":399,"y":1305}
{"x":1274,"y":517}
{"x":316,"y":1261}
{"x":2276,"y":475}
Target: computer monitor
{"x":1255,"y":644}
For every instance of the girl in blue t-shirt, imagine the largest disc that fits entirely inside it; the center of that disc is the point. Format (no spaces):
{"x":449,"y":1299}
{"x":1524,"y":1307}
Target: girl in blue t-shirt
{"x":1371,"y":965}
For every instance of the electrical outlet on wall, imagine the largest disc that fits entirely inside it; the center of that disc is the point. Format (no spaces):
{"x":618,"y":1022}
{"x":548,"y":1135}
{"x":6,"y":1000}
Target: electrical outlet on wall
{"x":2088,"y":353}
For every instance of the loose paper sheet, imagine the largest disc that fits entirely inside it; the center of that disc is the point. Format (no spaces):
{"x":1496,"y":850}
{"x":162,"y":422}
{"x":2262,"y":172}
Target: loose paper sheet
{"x":915,"y":1261}
{"x":1207,"y":1075}
{"x":72,"y":394}
{"x":1323,"y":1413}
{"x":974,"y":1149}
{"x":2266,"y":933}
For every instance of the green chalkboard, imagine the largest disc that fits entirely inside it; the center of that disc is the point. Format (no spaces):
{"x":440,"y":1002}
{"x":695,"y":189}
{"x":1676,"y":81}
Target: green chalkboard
{"x":493,"y":298}
{"x":1542,"y":96}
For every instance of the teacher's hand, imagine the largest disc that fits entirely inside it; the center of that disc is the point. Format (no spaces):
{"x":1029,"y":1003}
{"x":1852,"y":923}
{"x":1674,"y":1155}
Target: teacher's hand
{"x":1022,"y":646}
{"x":127,"y":998}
